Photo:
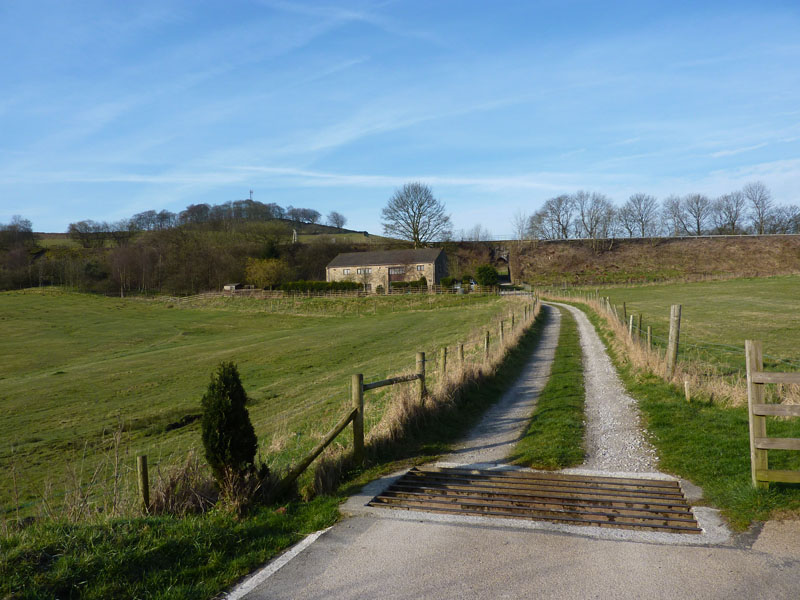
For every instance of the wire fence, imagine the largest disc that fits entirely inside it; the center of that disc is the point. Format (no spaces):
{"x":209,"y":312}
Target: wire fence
{"x":112,"y":472}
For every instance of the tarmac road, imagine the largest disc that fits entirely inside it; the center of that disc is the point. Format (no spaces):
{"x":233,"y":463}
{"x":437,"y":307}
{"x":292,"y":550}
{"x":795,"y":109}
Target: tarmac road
{"x":370,"y":557}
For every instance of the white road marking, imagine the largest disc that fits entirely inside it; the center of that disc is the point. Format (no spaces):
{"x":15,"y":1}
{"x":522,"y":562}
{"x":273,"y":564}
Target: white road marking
{"x":259,"y":577}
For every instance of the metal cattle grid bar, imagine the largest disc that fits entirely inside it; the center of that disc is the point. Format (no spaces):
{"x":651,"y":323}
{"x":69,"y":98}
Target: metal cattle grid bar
{"x":627,"y":503}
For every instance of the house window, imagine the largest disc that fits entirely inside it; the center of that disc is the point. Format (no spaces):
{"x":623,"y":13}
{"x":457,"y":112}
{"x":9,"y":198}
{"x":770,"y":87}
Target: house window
{"x":346,"y":271}
{"x":364,"y":271}
{"x":420,"y":267}
{"x":396,"y":271}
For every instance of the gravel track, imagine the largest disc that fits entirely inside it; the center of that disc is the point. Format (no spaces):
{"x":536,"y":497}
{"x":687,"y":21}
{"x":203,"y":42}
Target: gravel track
{"x":614,"y":440}
{"x":493,"y":439}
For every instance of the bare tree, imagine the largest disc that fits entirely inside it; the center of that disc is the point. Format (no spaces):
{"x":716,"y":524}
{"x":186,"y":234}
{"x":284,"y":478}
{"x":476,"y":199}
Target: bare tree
{"x":336,"y":219}
{"x":639,"y":215}
{"x":18,"y":232}
{"x":698,"y":210}
{"x":303,"y":215}
{"x":519,"y":223}
{"x":535,"y":229}
{"x":727,"y":213}
{"x":145,"y":221}
{"x":784,"y":219}
{"x":195,"y":213}
{"x":166,"y":219}
{"x":89,"y":234}
{"x":554,"y":220}
{"x":595,"y":215}
{"x":760,"y":200}
{"x":476,"y":234}
{"x":414,"y":214}
{"x":674,"y":216}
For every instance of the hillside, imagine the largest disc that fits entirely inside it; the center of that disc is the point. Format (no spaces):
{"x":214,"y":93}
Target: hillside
{"x":306,"y":233}
{"x":632,"y":260}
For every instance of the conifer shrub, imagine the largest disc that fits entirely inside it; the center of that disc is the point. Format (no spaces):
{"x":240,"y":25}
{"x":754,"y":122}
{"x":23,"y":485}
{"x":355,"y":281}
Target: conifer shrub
{"x":486,"y":275}
{"x":230,"y":441}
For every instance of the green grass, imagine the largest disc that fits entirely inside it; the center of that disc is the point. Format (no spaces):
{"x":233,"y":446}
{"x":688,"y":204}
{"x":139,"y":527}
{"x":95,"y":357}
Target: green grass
{"x":709,"y":445}
{"x":77,"y":366}
{"x":554,"y":438}
{"x":351,"y":238}
{"x":155,"y":557}
{"x":197,"y":557}
{"x":718,"y":316}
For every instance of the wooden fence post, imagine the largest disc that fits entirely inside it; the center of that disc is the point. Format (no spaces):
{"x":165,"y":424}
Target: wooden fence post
{"x":674,"y":336}
{"x":649,"y":337}
{"x":144,"y":482}
{"x":630,"y":327}
{"x":512,"y":321}
{"x":754,"y":361}
{"x":421,"y":380}
{"x":486,"y":345}
{"x":357,"y":394}
{"x":686,"y":391}
{"x":443,"y":364}
{"x":461,"y":353}
{"x":501,"y":332}
{"x":624,"y":312}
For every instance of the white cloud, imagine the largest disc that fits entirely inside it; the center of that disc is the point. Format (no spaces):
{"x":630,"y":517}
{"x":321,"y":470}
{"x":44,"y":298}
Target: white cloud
{"x":734,"y":151}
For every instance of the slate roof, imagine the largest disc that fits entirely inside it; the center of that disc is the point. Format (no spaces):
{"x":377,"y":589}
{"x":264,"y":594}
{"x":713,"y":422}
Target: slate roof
{"x":386,"y":257}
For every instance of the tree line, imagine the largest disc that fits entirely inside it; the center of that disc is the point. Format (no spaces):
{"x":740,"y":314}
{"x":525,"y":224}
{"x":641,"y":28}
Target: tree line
{"x":227,"y":215}
{"x":592,"y":215}
{"x":162,"y":252}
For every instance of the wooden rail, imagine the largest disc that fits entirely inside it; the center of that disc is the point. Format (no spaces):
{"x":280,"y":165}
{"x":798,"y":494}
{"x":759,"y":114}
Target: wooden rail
{"x":391,"y":381}
{"x":360,"y":293}
{"x":356,"y":414}
{"x":758,"y":411}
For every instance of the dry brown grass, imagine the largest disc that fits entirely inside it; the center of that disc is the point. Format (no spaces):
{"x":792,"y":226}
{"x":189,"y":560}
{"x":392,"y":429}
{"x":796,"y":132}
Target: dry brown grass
{"x":183,"y":489}
{"x":657,"y":259}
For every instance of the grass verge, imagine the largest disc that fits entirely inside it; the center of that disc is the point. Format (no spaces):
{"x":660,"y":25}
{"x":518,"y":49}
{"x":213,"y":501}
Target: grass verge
{"x":554,"y":438}
{"x":155,"y":557}
{"x":706,"y":443}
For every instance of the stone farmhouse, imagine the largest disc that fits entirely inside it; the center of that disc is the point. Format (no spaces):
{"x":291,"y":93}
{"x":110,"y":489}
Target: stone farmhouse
{"x":380,"y":268}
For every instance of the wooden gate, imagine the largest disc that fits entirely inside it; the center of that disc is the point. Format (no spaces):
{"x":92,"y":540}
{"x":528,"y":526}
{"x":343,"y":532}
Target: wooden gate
{"x":758,"y":411}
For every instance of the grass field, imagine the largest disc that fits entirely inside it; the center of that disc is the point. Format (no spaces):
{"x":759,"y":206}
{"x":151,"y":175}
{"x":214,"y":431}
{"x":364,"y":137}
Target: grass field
{"x":199,"y":556}
{"x":78,"y":367}
{"x":718,"y":316}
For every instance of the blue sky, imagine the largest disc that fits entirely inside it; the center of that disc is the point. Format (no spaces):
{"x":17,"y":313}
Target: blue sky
{"x":110,"y":108}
